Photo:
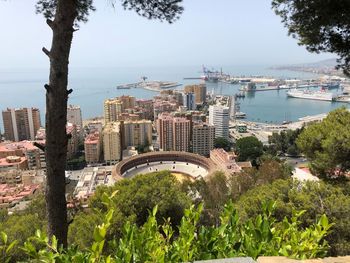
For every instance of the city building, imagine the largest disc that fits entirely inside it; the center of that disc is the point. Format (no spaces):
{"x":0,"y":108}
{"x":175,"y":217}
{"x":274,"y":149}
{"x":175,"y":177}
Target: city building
{"x":181,"y":134}
{"x":15,"y":177}
{"x":219,"y":116}
{"x":127,"y":101}
{"x":12,"y":195}
{"x":74,"y":116}
{"x":189,"y":101}
{"x":144,"y":108}
{"x":94,"y":126}
{"x":226,"y":161}
{"x":128,"y":116}
{"x":13,"y":163}
{"x":173,"y":96}
{"x":136,"y":133}
{"x":34,"y":156}
{"x":203,"y":136}
{"x":21,"y":124}
{"x":73,"y":140}
{"x":161,"y":106}
{"x":199,"y":90}
{"x":93,"y":147}
{"x":165,"y":131}
{"x":173,"y":133}
{"x":112,"y":109}
{"x":90,"y":178}
{"x":112,"y":142}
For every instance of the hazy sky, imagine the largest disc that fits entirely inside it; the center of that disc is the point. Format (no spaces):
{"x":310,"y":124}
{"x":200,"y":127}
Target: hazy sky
{"x":211,"y":32}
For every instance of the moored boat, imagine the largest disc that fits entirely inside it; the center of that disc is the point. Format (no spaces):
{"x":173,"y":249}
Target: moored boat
{"x":311,"y":95}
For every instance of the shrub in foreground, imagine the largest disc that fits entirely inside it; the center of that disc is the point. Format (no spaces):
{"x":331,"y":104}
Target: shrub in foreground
{"x":152,"y":242}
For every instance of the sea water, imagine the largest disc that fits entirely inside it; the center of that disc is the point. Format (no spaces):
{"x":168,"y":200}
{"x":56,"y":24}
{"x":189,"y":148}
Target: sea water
{"x":91,"y":86}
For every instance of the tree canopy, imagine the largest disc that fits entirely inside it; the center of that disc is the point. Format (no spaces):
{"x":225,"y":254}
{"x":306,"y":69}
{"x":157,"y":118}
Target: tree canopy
{"x":327,"y":144}
{"x":249,"y":149}
{"x":221,"y":142}
{"x":164,"y":10}
{"x":315,"y":198}
{"x":320,"y":25}
{"x":284,"y":142}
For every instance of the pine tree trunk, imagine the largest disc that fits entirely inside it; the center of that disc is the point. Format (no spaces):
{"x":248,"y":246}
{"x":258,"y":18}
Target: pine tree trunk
{"x":56,"y":118}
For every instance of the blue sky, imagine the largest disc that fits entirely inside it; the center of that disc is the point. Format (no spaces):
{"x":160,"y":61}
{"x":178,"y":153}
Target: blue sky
{"x":220,"y":32}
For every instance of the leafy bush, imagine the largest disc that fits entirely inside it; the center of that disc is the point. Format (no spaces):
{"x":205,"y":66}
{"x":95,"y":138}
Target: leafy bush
{"x":153,"y":242}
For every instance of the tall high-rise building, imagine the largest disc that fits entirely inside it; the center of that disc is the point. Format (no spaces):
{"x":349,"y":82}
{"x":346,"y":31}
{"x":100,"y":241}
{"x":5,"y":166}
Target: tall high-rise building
{"x":137,"y":133}
{"x":165,"y":131}
{"x":145,"y":109}
{"x":113,"y":108}
{"x":74,"y":116}
{"x":203,"y":135}
{"x":219,"y":116}
{"x":112,"y":144}
{"x":21,"y":124}
{"x":199,"y":90}
{"x":73,"y":141}
{"x":173,"y":133}
{"x":127,"y":101}
{"x":189,"y":101}
{"x":92,"y":147}
{"x":181,"y":134}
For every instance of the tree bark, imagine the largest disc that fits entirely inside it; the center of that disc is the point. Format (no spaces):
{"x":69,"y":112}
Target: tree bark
{"x":56,"y":118}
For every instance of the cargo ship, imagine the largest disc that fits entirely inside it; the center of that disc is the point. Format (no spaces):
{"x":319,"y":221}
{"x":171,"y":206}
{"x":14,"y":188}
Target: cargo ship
{"x":311,"y":95}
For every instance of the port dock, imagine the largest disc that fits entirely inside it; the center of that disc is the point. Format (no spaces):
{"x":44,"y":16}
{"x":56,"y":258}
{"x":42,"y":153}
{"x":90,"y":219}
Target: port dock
{"x":150,"y":85}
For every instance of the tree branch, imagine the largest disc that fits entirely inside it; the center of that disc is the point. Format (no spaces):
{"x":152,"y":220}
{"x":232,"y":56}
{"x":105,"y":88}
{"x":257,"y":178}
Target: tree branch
{"x":69,"y":91}
{"x":47,"y":53}
{"x":40,"y":146}
{"x":50,"y":23}
{"x":48,"y":88}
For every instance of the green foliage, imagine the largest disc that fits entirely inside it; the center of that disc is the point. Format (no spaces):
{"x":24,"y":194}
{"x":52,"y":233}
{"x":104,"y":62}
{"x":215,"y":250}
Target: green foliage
{"x":218,"y":188}
{"x":327,"y":144}
{"x":315,"y":198}
{"x":48,"y":9}
{"x":143,"y":148}
{"x":223,"y":143}
{"x":76,"y":163}
{"x":284,"y":142}
{"x":321,"y":26}
{"x":271,"y":170}
{"x":137,"y":196}
{"x":214,"y":192}
{"x":249,"y":149}
{"x":168,"y":10}
{"x":6,"y":248}
{"x":79,"y":232}
{"x":152,"y":242}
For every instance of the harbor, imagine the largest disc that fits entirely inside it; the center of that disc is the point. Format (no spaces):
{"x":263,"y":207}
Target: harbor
{"x":150,"y":85}
{"x":270,"y":107}
{"x":242,"y":128}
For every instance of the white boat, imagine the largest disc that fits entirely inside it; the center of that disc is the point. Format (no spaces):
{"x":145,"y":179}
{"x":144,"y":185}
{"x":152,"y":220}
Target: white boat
{"x":311,"y":95}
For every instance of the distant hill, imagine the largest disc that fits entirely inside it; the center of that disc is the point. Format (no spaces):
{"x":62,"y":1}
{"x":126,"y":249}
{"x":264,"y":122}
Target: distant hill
{"x":332,"y":62}
{"x":326,"y":66}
